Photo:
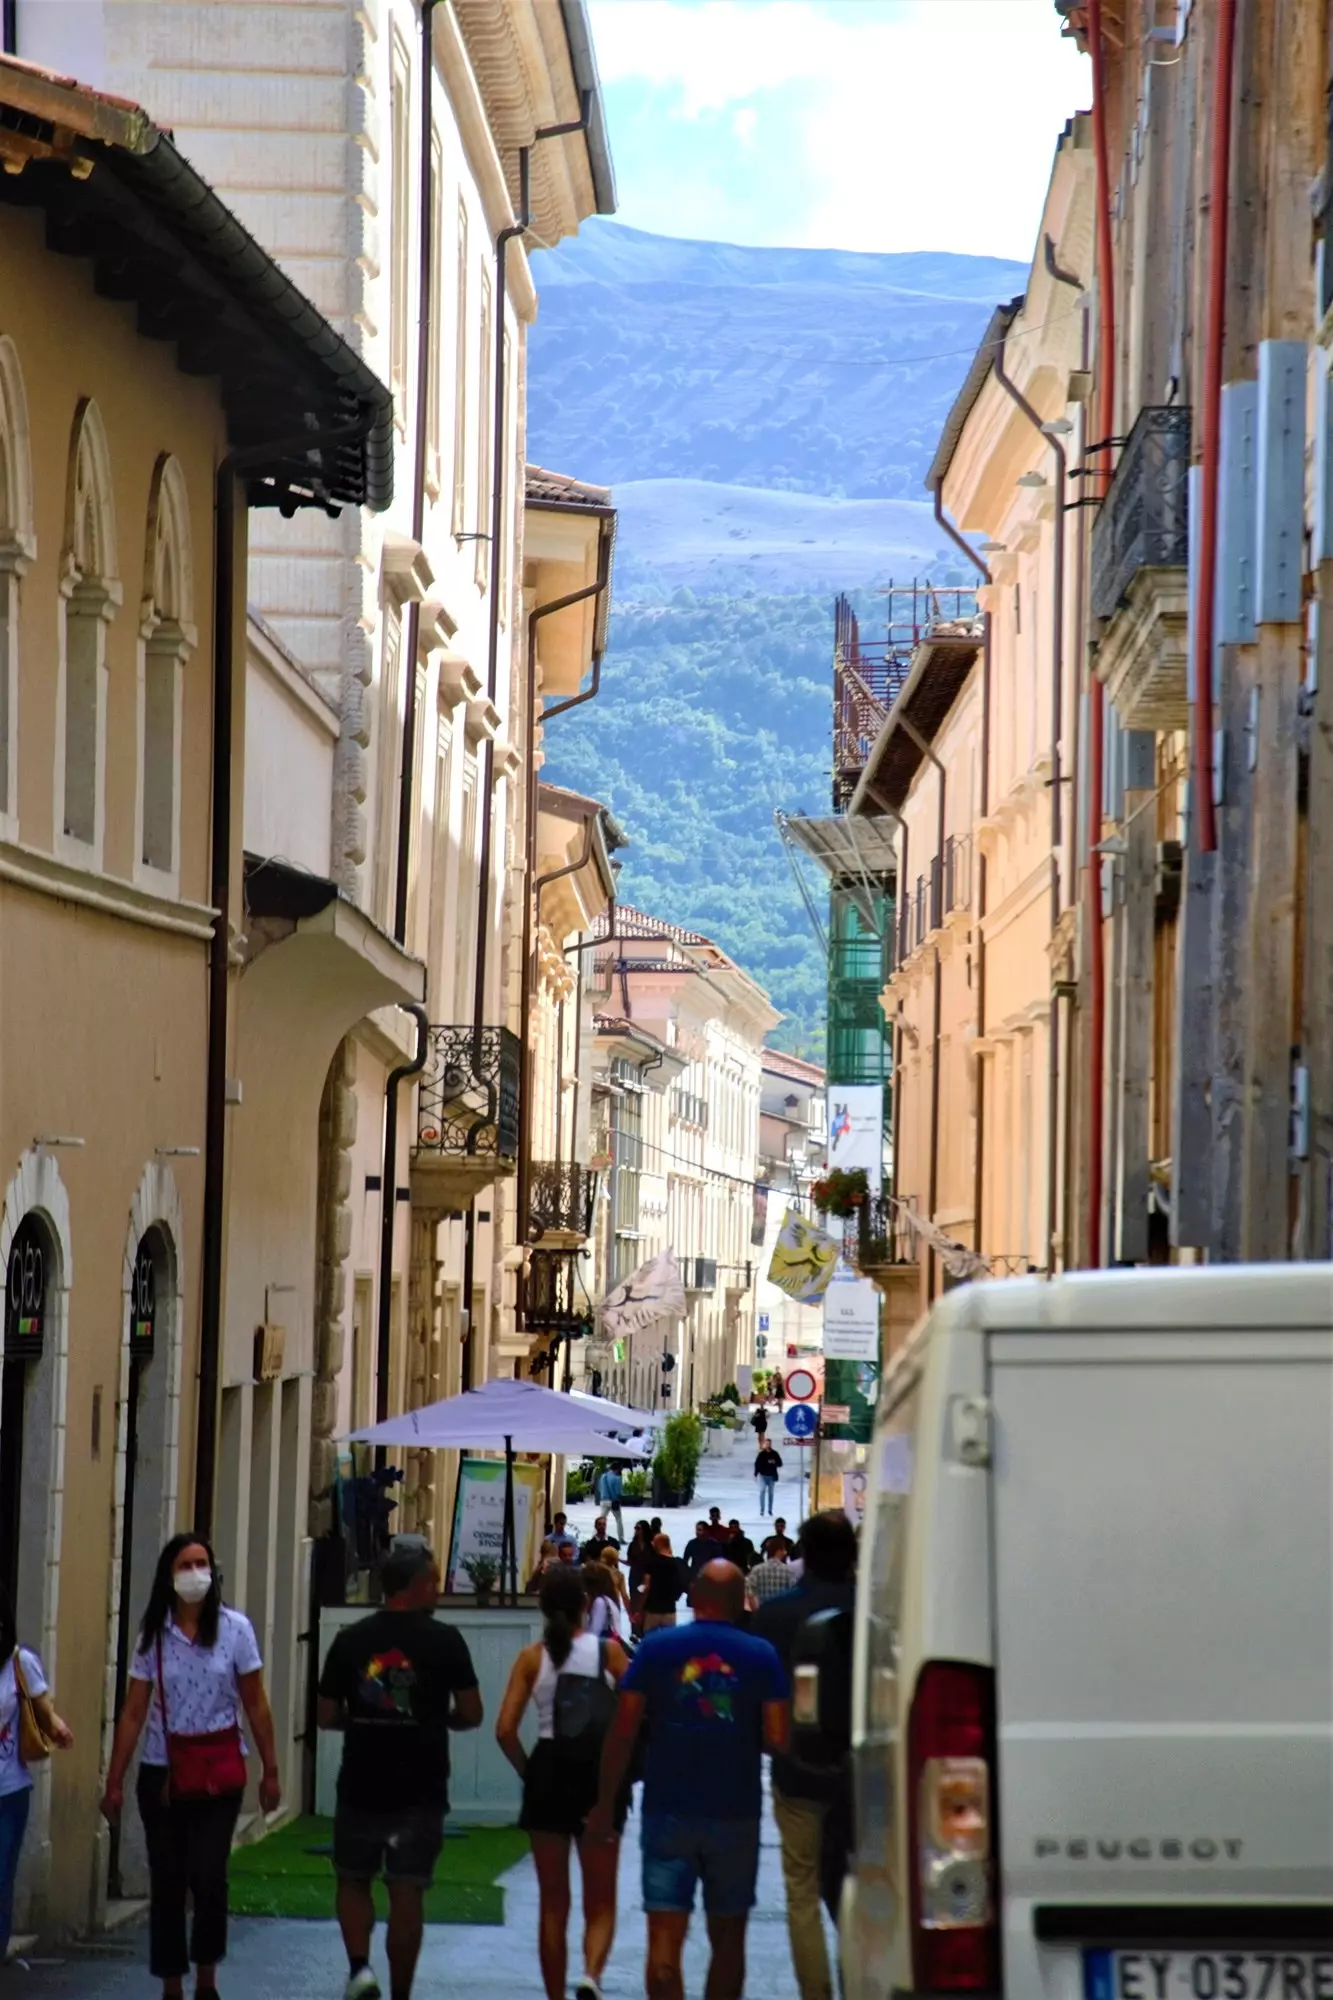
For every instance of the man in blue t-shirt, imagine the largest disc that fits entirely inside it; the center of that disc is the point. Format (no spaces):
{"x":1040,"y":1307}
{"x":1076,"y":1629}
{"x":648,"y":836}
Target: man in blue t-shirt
{"x":713,"y":1699}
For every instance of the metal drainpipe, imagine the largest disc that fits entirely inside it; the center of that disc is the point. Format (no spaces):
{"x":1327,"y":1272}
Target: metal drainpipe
{"x":1106,"y":363}
{"x":219,"y":949}
{"x":517,"y":228}
{"x":425,"y":288}
{"x":927,"y":751}
{"x":389,"y":1212}
{"x":1016,"y":395}
{"x":979,"y":1147}
{"x":9,"y":27}
{"x":878,"y":799}
{"x":529,"y":911}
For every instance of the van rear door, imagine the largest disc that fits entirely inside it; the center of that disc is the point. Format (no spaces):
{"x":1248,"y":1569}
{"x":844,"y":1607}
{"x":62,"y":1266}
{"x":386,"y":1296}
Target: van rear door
{"x":1163,"y":1576}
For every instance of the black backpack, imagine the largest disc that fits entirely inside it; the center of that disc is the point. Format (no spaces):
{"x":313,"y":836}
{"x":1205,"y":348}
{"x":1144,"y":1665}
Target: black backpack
{"x":584,"y":1707}
{"x":821,"y":1708}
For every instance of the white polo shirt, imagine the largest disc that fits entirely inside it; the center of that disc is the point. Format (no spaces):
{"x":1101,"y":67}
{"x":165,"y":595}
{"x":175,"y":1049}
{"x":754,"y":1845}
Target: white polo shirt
{"x":203,"y":1694}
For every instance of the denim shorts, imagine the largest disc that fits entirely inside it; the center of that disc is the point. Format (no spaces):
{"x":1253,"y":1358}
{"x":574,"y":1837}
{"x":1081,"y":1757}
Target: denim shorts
{"x":721,"y":1854}
{"x":403,"y":1846}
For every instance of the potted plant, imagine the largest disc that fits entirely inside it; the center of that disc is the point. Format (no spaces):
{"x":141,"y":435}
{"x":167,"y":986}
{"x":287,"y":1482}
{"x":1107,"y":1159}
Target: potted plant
{"x":483,"y":1574}
{"x":677,"y":1462}
{"x":842,"y":1191}
{"x":634,"y":1485}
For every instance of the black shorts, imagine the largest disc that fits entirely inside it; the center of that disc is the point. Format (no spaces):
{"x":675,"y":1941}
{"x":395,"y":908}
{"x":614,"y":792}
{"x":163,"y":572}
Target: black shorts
{"x":401,"y":1845}
{"x":560,"y":1791}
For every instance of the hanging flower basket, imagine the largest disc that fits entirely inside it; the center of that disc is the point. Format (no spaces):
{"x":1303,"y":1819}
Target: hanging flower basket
{"x":841,"y":1192}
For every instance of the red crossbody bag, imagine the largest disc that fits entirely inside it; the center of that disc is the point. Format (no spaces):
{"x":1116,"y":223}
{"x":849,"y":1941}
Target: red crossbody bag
{"x":210,"y":1765}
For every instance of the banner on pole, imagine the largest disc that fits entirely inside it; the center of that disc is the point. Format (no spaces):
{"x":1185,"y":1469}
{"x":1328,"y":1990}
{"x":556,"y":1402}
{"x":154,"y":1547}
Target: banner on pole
{"x":655,"y":1291}
{"x":856,"y":1130}
{"x":803,"y":1259}
{"x":851,"y":1317}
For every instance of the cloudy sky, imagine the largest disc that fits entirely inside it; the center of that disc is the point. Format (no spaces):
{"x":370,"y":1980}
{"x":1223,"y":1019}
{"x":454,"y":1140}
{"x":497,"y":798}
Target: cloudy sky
{"x":854,"y":124}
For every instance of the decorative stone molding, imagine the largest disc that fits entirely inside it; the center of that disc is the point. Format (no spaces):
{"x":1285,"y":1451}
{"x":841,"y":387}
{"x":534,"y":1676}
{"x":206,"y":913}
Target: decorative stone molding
{"x":405,"y":568}
{"x":1143,"y":659}
{"x":337,"y":1135}
{"x":435,"y":627}
{"x":459,"y":680}
{"x":482,"y":720}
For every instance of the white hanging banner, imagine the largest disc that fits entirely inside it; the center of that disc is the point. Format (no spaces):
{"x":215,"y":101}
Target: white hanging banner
{"x":856,"y":1130}
{"x":851,"y":1317}
{"x":655,"y":1291}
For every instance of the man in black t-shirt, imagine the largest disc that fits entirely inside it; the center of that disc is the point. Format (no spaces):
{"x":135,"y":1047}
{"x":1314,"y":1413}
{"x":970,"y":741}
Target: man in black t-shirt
{"x":395,"y":1683}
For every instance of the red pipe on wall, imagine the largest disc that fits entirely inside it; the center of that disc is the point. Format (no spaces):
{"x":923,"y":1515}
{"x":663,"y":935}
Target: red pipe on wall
{"x":1214,"y":330}
{"x":1096,"y":699}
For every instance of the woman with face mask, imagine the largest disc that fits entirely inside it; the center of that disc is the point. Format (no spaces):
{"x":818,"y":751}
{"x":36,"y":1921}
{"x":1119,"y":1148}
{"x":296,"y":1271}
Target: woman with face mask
{"x":196,"y":1670}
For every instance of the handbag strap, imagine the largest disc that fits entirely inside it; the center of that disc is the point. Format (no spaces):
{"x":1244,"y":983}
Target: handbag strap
{"x":20,"y":1684}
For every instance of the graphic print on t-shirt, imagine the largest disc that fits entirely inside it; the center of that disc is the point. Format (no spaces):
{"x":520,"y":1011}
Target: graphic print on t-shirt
{"x":708,"y":1684}
{"x":389,"y":1684}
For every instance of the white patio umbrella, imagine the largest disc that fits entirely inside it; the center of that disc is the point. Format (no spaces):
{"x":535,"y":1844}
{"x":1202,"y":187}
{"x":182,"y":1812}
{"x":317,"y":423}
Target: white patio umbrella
{"x":518,"y":1416}
{"x":606,"y":1414}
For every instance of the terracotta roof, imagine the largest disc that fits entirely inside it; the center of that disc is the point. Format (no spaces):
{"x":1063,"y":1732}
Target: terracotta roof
{"x":558,"y":489}
{"x":632,"y":923}
{"x":781,"y":1064}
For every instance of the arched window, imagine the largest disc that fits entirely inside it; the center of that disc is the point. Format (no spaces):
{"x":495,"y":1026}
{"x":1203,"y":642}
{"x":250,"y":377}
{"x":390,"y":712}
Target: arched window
{"x":167,"y":638}
{"x":17,"y":548}
{"x":90,"y":588}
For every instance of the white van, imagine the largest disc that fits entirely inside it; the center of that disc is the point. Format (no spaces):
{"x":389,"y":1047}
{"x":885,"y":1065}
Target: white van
{"x":1093,"y":1706}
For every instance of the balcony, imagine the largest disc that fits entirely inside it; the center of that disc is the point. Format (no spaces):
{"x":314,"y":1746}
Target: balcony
{"x":467,"y":1116}
{"x":561,"y":1195}
{"x":700,"y":1274}
{"x":1140,"y":583}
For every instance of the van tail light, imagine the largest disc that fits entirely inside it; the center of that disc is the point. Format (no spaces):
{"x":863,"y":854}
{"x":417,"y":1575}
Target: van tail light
{"x":951,"y":1829}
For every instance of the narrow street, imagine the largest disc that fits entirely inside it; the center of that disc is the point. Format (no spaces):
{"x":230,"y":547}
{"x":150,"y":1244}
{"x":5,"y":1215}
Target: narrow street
{"x":271,"y":1960}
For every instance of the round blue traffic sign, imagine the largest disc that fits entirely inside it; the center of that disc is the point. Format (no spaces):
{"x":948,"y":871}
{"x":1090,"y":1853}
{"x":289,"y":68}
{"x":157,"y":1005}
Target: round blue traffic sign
{"x":802,"y":1420}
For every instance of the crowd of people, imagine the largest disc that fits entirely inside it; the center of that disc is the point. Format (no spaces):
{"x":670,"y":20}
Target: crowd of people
{"x":622,"y":1691}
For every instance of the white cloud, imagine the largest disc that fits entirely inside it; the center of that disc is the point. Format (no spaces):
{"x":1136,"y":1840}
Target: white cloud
{"x":920,"y":123}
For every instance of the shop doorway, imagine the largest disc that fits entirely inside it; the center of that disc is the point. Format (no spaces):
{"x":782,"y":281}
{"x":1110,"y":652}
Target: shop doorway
{"x":29,"y":1289}
{"x":143,"y":1526}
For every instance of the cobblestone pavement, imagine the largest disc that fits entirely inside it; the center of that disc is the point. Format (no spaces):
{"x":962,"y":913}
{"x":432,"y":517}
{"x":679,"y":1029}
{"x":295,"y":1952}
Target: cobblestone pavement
{"x":299,"y":1961}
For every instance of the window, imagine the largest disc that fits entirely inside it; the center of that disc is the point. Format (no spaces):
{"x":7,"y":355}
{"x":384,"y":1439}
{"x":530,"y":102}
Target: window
{"x":460,"y":381}
{"x":400,"y":170}
{"x":444,"y":737}
{"x":167,"y":637}
{"x":502,"y":555}
{"x":390,"y":746}
{"x":17,"y":547}
{"x":436,"y":297}
{"x":420,"y":830}
{"x":467,"y":894}
{"x":90,"y":591}
{"x":485,"y":421}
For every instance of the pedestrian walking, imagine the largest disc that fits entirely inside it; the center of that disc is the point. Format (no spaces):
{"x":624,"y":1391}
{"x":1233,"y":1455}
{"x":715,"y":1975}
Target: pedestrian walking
{"x":610,"y":1493}
{"x":591,"y":1550}
{"x":767,"y":1466}
{"x":713,"y":1698}
{"x":780,"y":1542}
{"x":700,"y":1549}
{"x":560,"y":1676}
{"x":665,"y":1582}
{"x":611,"y":1564}
{"x":395,"y":1684}
{"x":636,"y":1563}
{"x":29,"y":1727}
{"x":739,"y":1549}
{"x":770,"y":1578}
{"x":812,"y":1808}
{"x":602,"y":1606}
{"x":759,"y":1424}
{"x":196,"y":1671}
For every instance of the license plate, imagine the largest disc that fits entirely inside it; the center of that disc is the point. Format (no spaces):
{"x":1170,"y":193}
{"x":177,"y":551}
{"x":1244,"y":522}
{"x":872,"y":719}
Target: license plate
{"x":1208,"y":1975}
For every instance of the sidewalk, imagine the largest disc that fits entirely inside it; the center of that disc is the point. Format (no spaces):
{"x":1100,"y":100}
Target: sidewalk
{"x":305,"y":1961}
{"x":728,"y":1483}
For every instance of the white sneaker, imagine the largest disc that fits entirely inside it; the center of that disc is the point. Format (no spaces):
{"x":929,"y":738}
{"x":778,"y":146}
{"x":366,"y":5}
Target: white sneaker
{"x":586,"y":1988}
{"x":362,"y":1985}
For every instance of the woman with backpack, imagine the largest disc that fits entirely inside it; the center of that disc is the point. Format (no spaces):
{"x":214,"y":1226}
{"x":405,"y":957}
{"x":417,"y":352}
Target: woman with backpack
{"x":570,"y":1678}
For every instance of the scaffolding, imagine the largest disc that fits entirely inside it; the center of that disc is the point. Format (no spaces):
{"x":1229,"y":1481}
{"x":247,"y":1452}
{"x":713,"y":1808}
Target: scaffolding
{"x":869,"y":675}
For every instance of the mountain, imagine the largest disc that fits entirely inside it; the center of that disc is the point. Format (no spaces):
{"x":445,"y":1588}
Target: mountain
{"x":765,"y":418}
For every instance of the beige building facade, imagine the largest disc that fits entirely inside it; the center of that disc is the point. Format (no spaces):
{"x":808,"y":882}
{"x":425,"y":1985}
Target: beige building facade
{"x":123,"y":534}
{"x":976,"y":763}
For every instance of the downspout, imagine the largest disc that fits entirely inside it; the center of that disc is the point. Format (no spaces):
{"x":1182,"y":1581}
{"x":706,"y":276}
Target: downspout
{"x":389,"y":1211}
{"x":1204,"y":596}
{"x":425,"y":287}
{"x":529,"y":912}
{"x":884,"y":806}
{"x":1057,"y":817}
{"x":219,"y":948}
{"x":979,"y":1147}
{"x":940,"y":822}
{"x":517,"y":228}
{"x":9,"y":27}
{"x":1096,"y":694}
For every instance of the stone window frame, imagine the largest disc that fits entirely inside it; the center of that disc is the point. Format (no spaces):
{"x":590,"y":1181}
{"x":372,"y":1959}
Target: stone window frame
{"x":167,"y":638}
{"x":18,"y":548}
{"x":485,"y":429}
{"x":400,"y":212}
{"x":458,"y":518}
{"x":90,"y":595}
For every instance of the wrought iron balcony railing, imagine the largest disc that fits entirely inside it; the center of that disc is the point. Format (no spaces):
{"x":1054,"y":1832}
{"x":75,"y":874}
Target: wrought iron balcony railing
{"x":877,"y":1235}
{"x":1143,"y":523}
{"x":467,"y":1103}
{"x":555,"y":1299}
{"x":561,"y":1195}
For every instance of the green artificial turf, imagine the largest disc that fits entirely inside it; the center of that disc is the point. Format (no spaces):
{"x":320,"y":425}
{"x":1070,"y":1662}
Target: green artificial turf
{"x":290,"y":1874}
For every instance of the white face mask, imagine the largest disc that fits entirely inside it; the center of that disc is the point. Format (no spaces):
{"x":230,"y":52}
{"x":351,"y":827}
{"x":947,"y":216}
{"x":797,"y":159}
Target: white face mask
{"x":193,"y":1585}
